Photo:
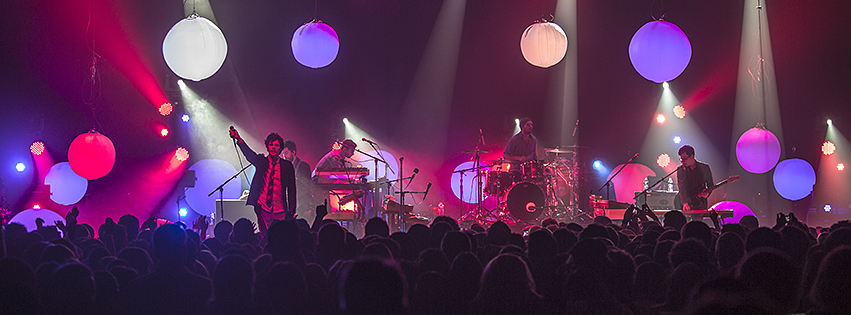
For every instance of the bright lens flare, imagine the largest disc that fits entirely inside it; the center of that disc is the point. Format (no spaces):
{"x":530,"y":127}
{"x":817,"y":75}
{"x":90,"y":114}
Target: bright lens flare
{"x":660,"y":119}
{"x":663,"y":160}
{"x":827,"y":148}
{"x":680,"y":111}
{"x":164,"y":132}
{"x":840,"y":166}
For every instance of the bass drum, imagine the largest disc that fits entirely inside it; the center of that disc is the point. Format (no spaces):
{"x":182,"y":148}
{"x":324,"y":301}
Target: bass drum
{"x":525,"y":201}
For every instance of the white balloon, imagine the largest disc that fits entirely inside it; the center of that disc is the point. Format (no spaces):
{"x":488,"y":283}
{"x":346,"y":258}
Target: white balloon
{"x":543,"y":44}
{"x":195,"y":48}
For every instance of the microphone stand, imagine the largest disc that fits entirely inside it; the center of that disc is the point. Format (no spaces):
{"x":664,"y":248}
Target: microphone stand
{"x":221,"y":190}
{"x":608,"y":183}
{"x":375,"y":183}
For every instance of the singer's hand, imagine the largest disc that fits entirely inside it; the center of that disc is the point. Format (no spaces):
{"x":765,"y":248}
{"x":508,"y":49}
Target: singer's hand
{"x":234,"y":134}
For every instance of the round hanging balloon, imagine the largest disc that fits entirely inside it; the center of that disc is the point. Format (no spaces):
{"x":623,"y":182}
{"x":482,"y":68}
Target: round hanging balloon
{"x":758,"y":150}
{"x":543,"y":44}
{"x":794,"y":179}
{"x":66,"y":187}
{"x":91,"y":155}
{"x":211,"y":173}
{"x":194,"y":48}
{"x":660,"y":51}
{"x":315,"y":44}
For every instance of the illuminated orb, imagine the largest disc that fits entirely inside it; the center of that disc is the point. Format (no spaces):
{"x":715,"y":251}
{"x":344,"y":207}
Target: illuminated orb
{"x":660,"y":118}
{"x":27,"y":218}
{"x":181,"y":154}
{"x":471,"y":182}
{"x":758,"y":150}
{"x":163,"y":132}
{"x":680,"y":111}
{"x":166,"y":109}
{"x":315,"y":44}
{"x":91,"y":155}
{"x":659,"y":51}
{"x":66,"y":187}
{"x":369,"y":163}
{"x":37,"y":148}
{"x":827,"y":148}
{"x":663,"y":160}
{"x":840,"y":166}
{"x":794,"y":179}
{"x":739,"y":209}
{"x":543,"y":44}
{"x":210,"y":173}
{"x":194,"y":48}
{"x":630,"y":180}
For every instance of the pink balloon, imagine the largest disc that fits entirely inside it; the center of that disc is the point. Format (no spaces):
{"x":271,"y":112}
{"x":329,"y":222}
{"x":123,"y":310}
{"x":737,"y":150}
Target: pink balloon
{"x":758,"y":150}
{"x":739,"y":209}
{"x":91,"y":155}
{"x":630,"y":180}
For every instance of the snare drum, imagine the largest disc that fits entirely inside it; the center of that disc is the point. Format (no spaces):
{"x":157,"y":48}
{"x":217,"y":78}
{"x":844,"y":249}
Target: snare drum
{"x":533,"y":171}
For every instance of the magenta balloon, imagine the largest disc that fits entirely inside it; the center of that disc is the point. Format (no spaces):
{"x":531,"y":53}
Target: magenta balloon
{"x":758,"y":150}
{"x":659,"y":51}
{"x":739,"y":209}
{"x":315,"y":45}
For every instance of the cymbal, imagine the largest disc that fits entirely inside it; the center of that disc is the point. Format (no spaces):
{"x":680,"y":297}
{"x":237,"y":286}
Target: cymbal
{"x":475,"y":151}
{"x":494,"y":162}
{"x":574,"y":146}
{"x":558,"y":151}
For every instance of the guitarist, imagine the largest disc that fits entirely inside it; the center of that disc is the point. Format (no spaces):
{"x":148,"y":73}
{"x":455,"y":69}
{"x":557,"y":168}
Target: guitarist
{"x":692,"y":180}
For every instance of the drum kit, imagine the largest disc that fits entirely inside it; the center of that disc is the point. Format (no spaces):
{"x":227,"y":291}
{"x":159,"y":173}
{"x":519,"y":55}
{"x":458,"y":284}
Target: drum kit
{"x":530,"y":190}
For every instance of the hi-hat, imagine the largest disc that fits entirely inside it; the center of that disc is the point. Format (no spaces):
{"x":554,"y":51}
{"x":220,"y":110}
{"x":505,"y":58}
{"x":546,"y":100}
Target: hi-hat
{"x":475,"y":151}
{"x":558,"y":151}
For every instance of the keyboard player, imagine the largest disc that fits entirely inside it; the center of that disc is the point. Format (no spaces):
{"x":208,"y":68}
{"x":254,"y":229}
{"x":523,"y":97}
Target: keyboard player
{"x":339,"y":156}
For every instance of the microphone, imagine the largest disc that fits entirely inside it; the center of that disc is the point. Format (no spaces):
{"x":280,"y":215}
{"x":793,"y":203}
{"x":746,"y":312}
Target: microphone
{"x":416,"y":171}
{"x":636,"y":155}
{"x":575,"y":127}
{"x":232,"y":132}
{"x":427,"y":189}
{"x":368,"y":141}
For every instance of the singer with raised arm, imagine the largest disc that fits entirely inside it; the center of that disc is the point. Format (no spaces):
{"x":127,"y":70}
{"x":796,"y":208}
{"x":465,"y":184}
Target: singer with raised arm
{"x":694,"y":179}
{"x":273,"y":188}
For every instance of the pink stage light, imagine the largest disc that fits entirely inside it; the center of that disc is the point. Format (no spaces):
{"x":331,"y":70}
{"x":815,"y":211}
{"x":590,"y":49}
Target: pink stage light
{"x":827,"y":148}
{"x":663,"y":160}
{"x":840,"y":166}
{"x":181,"y":154}
{"x":165,"y":109}
{"x":37,"y":148}
{"x":91,"y":155}
{"x":164,"y":132}
{"x":680,"y":111}
{"x":660,"y":119}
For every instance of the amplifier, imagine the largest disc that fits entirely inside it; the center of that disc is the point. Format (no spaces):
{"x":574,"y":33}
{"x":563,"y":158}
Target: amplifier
{"x":657,"y":199}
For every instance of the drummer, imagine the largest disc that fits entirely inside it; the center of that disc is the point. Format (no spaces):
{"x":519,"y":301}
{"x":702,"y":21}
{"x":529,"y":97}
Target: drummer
{"x":521,"y":147}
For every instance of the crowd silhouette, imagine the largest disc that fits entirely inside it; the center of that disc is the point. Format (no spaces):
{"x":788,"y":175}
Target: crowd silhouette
{"x":642,"y":265}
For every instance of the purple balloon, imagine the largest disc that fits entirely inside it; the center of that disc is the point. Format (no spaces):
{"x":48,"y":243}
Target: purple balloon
{"x":315,"y":44}
{"x":739,"y":209}
{"x":659,"y":51}
{"x":794,"y":179}
{"x":758,"y":150}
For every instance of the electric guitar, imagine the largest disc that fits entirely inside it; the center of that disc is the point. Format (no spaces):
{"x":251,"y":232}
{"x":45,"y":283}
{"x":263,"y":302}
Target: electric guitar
{"x":699,"y":201}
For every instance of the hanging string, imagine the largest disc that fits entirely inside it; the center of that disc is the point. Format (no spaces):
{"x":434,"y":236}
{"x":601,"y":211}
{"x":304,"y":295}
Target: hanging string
{"x":91,"y":89}
{"x":660,"y":5}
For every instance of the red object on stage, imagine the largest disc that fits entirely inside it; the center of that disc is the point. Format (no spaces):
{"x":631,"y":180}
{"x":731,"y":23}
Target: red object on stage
{"x":91,"y":155}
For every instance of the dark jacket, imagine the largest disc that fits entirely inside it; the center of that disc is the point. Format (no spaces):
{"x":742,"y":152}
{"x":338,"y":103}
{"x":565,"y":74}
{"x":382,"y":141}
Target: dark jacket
{"x":261,"y":164}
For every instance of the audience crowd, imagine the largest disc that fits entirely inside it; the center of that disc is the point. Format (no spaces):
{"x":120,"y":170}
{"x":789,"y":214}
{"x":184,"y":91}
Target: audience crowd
{"x":644,"y":265}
